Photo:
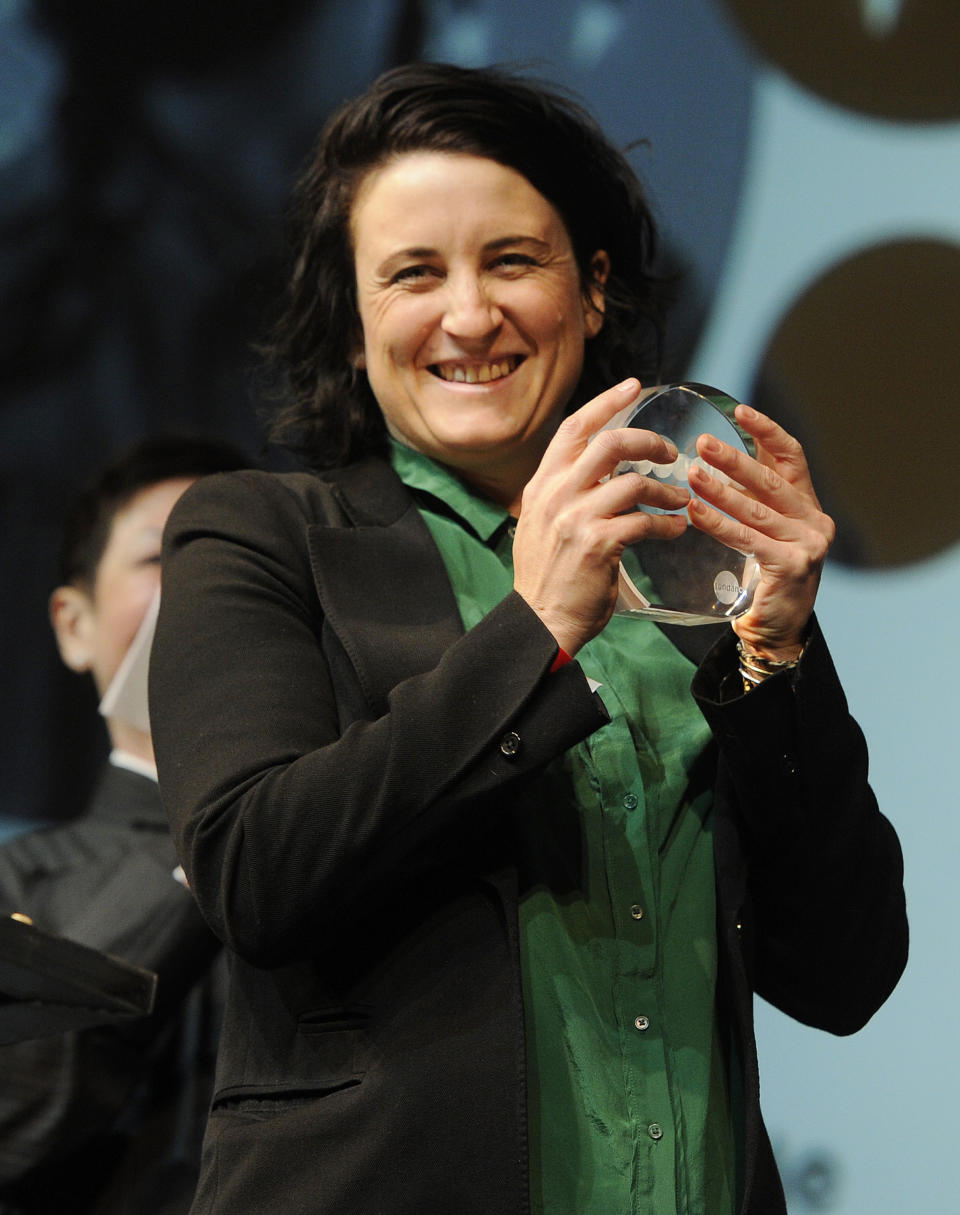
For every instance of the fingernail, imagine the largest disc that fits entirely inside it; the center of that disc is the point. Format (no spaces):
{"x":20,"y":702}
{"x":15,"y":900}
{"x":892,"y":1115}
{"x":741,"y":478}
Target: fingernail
{"x":710,"y":443}
{"x":630,"y":385}
{"x":747,"y":413}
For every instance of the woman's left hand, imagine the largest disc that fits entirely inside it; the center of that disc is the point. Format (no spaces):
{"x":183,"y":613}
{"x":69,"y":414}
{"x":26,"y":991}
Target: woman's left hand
{"x":775,"y":515}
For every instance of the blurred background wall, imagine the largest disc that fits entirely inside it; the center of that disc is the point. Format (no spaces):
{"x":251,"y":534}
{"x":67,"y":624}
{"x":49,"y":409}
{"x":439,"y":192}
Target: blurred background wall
{"x":804,"y":161}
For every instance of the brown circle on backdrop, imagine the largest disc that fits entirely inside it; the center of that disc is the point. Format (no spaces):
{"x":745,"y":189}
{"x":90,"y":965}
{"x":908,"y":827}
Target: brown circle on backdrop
{"x":893,"y":59}
{"x":865,"y":369}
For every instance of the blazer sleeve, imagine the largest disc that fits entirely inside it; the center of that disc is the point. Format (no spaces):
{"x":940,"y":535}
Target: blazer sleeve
{"x":292,"y":813}
{"x":824,"y":871}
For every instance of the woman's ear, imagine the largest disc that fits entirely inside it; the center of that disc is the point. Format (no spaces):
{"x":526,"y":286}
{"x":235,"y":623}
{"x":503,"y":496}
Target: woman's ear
{"x":594,"y":299}
{"x":72,"y":617}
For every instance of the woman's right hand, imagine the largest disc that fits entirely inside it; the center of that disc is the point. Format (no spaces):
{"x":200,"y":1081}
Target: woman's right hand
{"x":574,"y":525}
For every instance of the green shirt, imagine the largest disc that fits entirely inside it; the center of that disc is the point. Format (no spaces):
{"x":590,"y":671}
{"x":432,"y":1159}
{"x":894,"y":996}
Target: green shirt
{"x":629,"y":1111}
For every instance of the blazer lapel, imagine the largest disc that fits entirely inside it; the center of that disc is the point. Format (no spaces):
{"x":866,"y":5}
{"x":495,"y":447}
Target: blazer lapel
{"x":381,"y":581}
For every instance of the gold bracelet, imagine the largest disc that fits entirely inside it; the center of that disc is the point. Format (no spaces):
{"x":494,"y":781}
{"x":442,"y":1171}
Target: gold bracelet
{"x":754,"y":668}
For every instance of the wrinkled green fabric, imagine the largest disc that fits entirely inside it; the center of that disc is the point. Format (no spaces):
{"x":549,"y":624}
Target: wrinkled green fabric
{"x":629,"y":1112}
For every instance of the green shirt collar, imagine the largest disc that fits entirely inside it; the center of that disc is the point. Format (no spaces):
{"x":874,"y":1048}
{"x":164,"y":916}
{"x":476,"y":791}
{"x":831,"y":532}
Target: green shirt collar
{"x":418,"y":472}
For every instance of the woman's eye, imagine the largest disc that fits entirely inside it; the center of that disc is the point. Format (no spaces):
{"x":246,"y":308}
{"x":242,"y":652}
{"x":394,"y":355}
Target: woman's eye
{"x":413,"y":274}
{"x":513,"y":261}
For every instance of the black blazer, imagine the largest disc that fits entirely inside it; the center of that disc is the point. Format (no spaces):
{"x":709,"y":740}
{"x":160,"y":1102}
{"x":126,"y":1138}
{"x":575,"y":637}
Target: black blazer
{"x":348,"y":774}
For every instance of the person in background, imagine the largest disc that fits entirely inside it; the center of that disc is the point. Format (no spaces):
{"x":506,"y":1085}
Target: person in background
{"x":108,"y":1120}
{"x":495,"y":930}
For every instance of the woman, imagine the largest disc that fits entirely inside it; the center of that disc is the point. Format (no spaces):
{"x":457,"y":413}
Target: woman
{"x":495,"y":934}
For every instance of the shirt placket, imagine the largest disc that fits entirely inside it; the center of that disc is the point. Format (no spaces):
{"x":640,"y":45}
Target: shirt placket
{"x":633,"y":888}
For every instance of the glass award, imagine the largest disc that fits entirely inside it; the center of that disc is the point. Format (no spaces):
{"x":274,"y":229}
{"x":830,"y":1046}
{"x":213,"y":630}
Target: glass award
{"x":692,"y":579}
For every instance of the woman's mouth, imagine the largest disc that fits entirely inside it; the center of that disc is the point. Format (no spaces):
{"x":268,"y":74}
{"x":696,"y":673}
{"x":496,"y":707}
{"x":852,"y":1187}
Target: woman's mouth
{"x":476,"y":373}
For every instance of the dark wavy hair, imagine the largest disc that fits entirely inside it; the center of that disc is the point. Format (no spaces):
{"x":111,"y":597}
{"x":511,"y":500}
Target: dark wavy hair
{"x":328,"y":413}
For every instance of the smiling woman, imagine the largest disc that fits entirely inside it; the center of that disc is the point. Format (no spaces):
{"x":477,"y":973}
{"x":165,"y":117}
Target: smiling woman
{"x":561,"y":165}
{"x":473,"y":314}
{"x":462,"y":888}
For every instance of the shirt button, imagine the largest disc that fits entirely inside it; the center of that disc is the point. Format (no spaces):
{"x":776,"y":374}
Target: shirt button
{"x":642,"y":1023}
{"x":510,"y":745}
{"x":636,"y":911}
{"x":655,"y":1130}
{"x":630,"y":801}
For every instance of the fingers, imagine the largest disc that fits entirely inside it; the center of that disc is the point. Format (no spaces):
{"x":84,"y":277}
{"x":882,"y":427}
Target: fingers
{"x":575,"y":431}
{"x":765,"y":506}
{"x":748,"y":513}
{"x":763,"y":481}
{"x":577,"y":517}
{"x":603,"y":518}
{"x":761,"y":508}
{"x":625,"y":491}
{"x":734,"y":533}
{"x":775,"y":446}
{"x":586,"y":488}
{"x":779,"y":477}
{"x":609,"y":447}
{"x":639,"y":525}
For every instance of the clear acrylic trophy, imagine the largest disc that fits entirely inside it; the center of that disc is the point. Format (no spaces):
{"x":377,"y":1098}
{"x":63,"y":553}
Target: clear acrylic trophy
{"x":692,"y":579}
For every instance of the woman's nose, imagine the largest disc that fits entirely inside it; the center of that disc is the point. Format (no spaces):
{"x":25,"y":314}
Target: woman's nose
{"x":469,"y":311}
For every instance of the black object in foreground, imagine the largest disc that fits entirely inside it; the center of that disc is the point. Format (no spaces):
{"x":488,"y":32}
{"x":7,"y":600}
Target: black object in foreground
{"x":49,"y":985}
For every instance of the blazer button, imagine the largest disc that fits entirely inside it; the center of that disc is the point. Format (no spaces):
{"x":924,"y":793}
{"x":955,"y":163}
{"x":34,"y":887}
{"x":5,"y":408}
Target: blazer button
{"x":510,"y":745}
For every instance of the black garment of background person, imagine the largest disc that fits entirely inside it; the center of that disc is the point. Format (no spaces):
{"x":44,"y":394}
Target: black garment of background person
{"x":108,"y":1121}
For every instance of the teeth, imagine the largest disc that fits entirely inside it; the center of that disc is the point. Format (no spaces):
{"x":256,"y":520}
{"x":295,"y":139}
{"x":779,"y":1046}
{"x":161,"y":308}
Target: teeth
{"x":476,"y":373}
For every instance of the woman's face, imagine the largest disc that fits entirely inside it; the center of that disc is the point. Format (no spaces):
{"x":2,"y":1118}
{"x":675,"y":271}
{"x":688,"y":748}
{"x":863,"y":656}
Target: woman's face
{"x":472,"y":312}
